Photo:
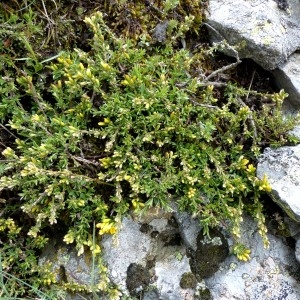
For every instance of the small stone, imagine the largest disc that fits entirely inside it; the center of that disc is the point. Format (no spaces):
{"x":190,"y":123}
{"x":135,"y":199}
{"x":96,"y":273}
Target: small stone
{"x":160,"y":32}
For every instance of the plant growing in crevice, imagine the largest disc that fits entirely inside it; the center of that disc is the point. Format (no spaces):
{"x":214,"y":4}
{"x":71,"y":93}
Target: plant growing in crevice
{"x":124,"y":127}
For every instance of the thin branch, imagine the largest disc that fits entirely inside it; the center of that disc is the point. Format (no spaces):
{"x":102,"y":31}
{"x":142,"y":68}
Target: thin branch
{"x":215,"y":31}
{"x":250,"y":85}
{"x":204,"y":105}
{"x":1,"y":125}
{"x":85,"y":161}
{"x":214,"y":83}
{"x":226,"y":44}
{"x":223,"y":69}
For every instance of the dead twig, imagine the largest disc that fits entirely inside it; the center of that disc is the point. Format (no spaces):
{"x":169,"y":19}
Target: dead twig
{"x":204,"y":105}
{"x":2,"y":126}
{"x":224,"y":44}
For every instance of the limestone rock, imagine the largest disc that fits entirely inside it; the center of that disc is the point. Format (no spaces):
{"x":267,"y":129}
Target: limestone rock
{"x":270,"y":274}
{"x":288,"y":78}
{"x":154,"y":250}
{"x":129,"y":246}
{"x":149,"y":261}
{"x":69,"y":267}
{"x":189,"y":228}
{"x":282,"y":167}
{"x":264,"y":31}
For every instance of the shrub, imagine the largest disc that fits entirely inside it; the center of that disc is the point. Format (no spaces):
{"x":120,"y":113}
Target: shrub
{"x":124,"y":127}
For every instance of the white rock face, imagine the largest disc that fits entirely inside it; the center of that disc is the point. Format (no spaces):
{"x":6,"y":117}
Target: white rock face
{"x":282,"y":167}
{"x":258,"y":28}
{"x":288,"y":78}
{"x":268,"y":275}
{"x":129,"y":246}
{"x":156,"y":250}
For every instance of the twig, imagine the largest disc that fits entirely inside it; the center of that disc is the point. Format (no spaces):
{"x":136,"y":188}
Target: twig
{"x":204,"y":105}
{"x":250,"y":85}
{"x":225,"y":68}
{"x":1,"y":125}
{"x":214,"y":83}
{"x":85,"y":161}
{"x":226,"y":44}
{"x":215,"y":31}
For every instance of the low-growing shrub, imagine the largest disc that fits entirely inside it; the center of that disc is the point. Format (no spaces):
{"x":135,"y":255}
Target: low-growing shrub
{"x":123,"y":127}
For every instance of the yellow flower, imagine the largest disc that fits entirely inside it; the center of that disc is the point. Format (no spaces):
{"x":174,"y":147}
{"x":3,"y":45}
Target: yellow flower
{"x":137,"y":204}
{"x":129,"y":80}
{"x":264,"y":185}
{"x":105,"y":162}
{"x":107,"y":226}
{"x":242,"y":163}
{"x":210,"y":88}
{"x":8,"y":152}
{"x":95,"y":248}
{"x":245,"y":256}
{"x":36,"y":118}
{"x":81,"y":202}
{"x":106,"y":121}
{"x":105,"y":66}
{"x":251,"y":169}
{"x":69,"y":238}
{"x":191,"y":192}
{"x":241,"y":252}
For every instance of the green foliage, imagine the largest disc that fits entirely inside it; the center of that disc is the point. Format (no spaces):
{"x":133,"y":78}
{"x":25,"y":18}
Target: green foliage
{"x":123,"y":127}
{"x":135,"y":18}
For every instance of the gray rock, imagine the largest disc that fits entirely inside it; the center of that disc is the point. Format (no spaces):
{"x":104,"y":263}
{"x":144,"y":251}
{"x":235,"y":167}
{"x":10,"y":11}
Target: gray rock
{"x":148,"y":266}
{"x":156,"y":252}
{"x":292,"y":227}
{"x":189,"y":229}
{"x":297,"y":250}
{"x":129,"y":246}
{"x":282,"y":167}
{"x":288,"y":78}
{"x":69,"y":267}
{"x":260,"y":30}
{"x":296,"y":131}
{"x":160,"y":32}
{"x":169,"y":272}
{"x":270,"y":274}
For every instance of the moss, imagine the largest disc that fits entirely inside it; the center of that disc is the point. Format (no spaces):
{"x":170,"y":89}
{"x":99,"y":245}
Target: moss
{"x":138,"y":279}
{"x":203,"y":294}
{"x":188,"y":281}
{"x":211,"y":251}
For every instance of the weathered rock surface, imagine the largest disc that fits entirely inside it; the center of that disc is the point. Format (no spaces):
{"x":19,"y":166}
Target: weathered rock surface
{"x":282,"y":167}
{"x":130,"y":246}
{"x":156,"y":253}
{"x":266,"y":31}
{"x":270,"y":274}
{"x":68,"y":267}
{"x":150,"y":261}
{"x":288,"y":78}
